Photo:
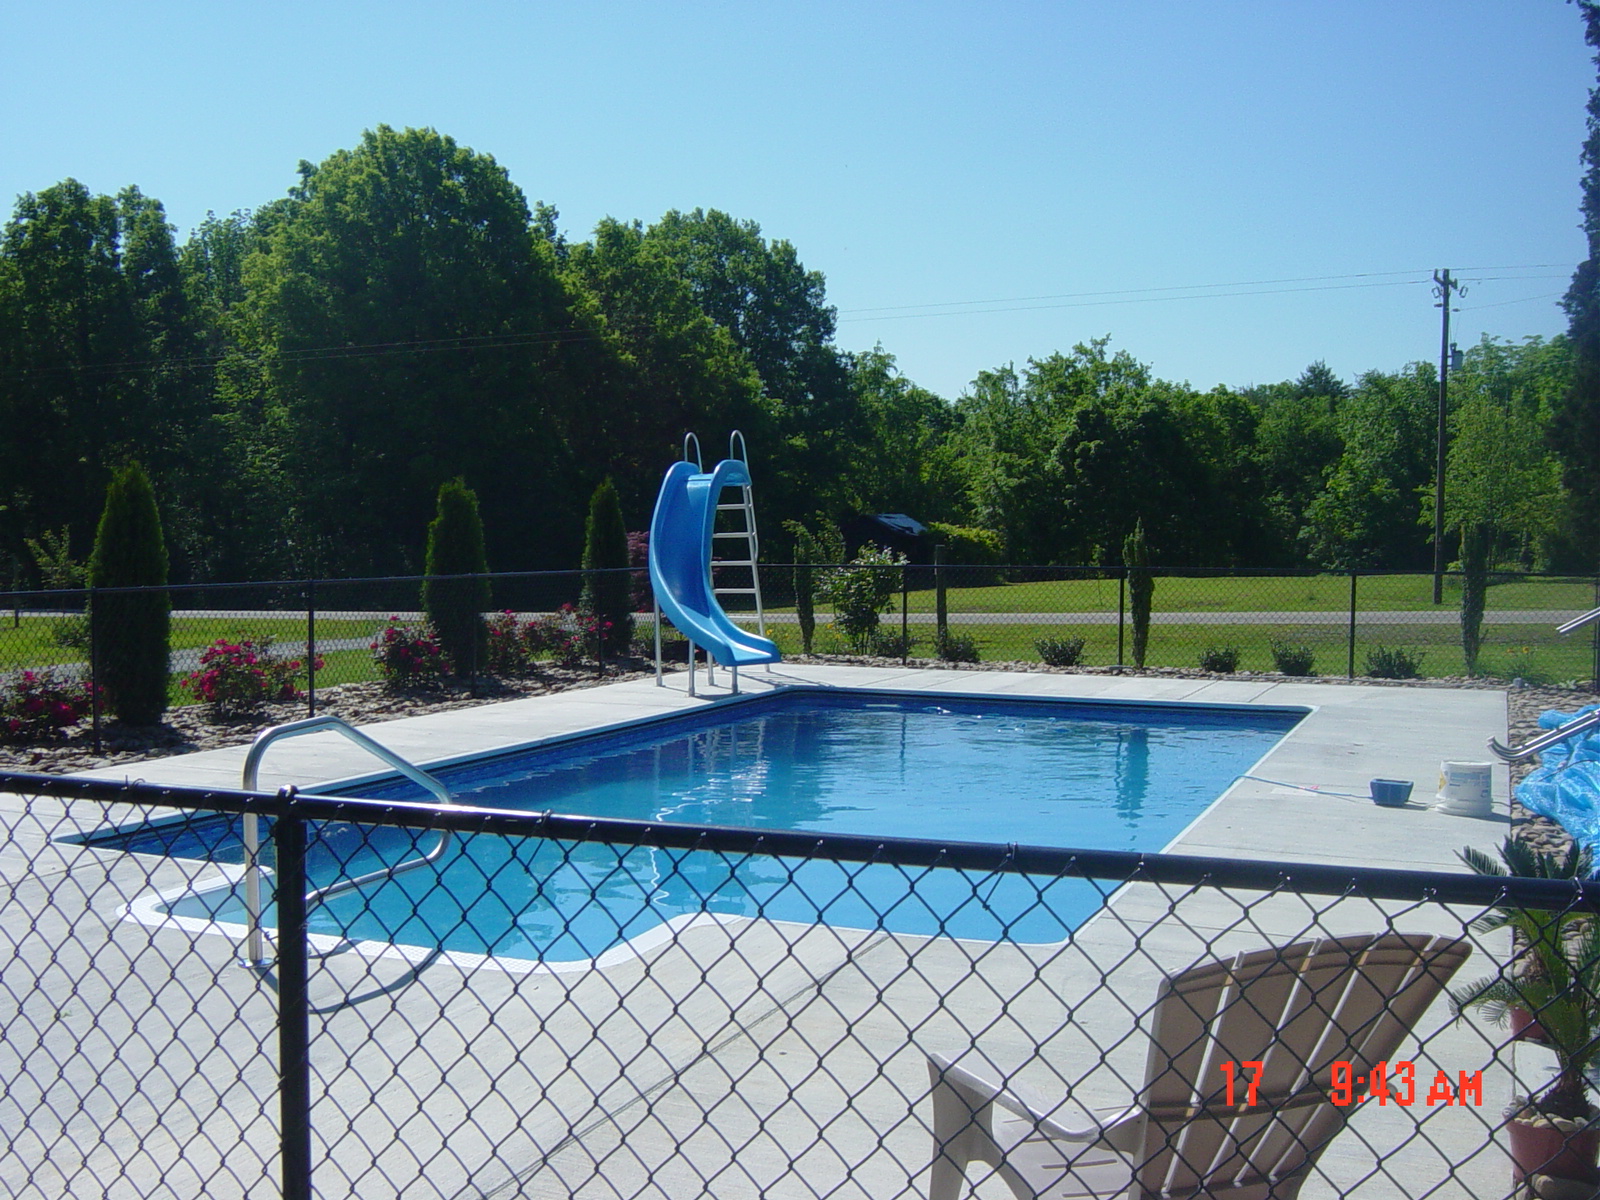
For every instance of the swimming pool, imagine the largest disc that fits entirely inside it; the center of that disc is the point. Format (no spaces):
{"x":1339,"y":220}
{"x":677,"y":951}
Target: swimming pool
{"x":1075,"y":773}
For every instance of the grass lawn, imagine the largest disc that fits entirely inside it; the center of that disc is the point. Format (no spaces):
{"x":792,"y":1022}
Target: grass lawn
{"x":37,"y":641}
{"x":1534,"y":652}
{"x":1309,"y":593}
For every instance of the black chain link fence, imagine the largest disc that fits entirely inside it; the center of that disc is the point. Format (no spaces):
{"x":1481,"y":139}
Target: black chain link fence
{"x":540,"y":1013}
{"x":317,"y":634}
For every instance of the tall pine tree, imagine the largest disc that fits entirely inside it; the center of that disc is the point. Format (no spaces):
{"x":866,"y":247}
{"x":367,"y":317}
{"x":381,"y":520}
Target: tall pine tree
{"x":1575,"y":429}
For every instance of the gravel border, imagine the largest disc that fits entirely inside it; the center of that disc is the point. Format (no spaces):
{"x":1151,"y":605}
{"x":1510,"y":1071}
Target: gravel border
{"x":186,"y":730}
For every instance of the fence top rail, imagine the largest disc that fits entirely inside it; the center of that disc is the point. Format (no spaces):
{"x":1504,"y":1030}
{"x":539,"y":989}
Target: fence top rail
{"x":1112,"y":865}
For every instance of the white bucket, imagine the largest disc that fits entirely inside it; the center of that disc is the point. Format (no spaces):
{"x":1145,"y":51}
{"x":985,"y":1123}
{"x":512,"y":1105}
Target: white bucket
{"x":1466,"y":789}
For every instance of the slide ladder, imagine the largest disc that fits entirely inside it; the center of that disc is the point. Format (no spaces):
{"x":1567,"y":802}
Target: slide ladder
{"x":745,"y":532}
{"x":683,"y":540}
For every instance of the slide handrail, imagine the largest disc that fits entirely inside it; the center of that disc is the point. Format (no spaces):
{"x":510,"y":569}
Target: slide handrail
{"x":255,"y":949}
{"x":1578,"y":622}
{"x":1545,"y":740}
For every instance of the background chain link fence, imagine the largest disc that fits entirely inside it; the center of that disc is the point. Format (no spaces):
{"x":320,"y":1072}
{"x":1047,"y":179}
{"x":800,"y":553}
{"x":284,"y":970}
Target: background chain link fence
{"x":524,"y":1017}
{"x":1351,"y":625}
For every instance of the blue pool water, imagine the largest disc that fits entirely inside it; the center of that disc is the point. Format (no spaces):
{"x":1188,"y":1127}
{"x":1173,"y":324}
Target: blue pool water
{"x":1094,"y":776}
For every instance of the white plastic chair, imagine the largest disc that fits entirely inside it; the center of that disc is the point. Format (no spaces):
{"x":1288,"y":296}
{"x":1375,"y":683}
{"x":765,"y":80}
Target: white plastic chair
{"x":1296,"y":1009}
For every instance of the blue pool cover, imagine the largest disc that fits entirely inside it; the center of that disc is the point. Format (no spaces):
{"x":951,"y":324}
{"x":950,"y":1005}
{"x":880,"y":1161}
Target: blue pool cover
{"x":1565,"y":787}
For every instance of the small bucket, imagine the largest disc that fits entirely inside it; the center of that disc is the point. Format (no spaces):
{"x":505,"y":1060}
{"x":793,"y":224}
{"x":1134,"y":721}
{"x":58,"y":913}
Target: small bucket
{"x":1390,"y":793}
{"x":1466,"y":789}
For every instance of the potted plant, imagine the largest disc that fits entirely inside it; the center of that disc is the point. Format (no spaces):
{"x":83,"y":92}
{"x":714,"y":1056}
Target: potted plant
{"x":1521,"y":860}
{"x":1555,"y":983}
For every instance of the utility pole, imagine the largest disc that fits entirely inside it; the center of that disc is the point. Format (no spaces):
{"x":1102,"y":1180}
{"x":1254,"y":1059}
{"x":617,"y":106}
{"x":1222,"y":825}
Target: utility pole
{"x":1443,"y":285}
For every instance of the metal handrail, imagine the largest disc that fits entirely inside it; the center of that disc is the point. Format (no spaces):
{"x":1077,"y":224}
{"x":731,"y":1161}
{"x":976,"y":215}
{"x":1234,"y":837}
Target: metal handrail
{"x":1545,"y":740}
{"x":255,"y":948}
{"x":1577,"y":622}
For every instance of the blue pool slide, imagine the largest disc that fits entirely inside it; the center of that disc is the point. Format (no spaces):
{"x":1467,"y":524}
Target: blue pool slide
{"x":680,"y":562}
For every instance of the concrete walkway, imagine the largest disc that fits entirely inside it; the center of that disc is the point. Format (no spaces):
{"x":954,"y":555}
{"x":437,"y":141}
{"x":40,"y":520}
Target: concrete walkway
{"x":757,"y":1058}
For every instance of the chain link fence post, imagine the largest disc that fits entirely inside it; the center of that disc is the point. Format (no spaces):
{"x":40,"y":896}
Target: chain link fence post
{"x":294,"y":1003}
{"x":94,"y":666}
{"x":1351,"y":664}
{"x":311,"y":647}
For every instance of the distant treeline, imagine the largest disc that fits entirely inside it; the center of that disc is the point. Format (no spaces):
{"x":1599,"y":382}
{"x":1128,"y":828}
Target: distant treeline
{"x":299,"y":379}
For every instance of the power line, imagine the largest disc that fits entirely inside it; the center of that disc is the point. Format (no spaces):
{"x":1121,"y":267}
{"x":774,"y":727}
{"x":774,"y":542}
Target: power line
{"x":1418,"y":276}
{"x":1146,"y":299}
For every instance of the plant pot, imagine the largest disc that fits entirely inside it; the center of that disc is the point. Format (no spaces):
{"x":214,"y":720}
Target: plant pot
{"x":1525,"y":1026}
{"x":1544,"y":1149}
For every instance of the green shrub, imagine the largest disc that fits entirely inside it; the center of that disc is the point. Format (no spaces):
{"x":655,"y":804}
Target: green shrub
{"x":59,"y":571}
{"x":1222,"y":659}
{"x":1474,"y":588}
{"x":859,"y":591}
{"x":1060,"y":652}
{"x":1291,"y":659}
{"x":967,"y":545}
{"x":1393,"y":662}
{"x":132,"y":630}
{"x":892,"y":645}
{"x":605,"y":551}
{"x":955,"y":647}
{"x":455,"y":607}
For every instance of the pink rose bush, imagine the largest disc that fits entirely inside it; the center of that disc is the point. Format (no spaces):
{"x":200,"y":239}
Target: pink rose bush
{"x":38,"y":706}
{"x":237,"y":677}
{"x":409,"y":656}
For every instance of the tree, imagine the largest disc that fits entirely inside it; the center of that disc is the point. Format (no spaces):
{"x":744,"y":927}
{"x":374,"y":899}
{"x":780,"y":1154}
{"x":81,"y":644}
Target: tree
{"x":777,"y":313}
{"x":899,"y":462}
{"x":1297,"y":445}
{"x":1501,"y":475}
{"x":100,"y":361}
{"x":67,"y":334}
{"x":1574,"y":432}
{"x":605,"y":556}
{"x":456,"y":606}
{"x":670,"y":367}
{"x":413,"y":327}
{"x":1367,"y":513}
{"x":131,"y":629}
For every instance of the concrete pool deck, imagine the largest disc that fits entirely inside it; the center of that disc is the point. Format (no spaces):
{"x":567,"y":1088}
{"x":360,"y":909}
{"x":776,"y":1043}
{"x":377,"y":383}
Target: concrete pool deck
{"x":728,"y":1021}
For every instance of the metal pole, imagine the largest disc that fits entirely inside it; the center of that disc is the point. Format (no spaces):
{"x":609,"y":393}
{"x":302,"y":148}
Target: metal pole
{"x":294,"y":1003}
{"x":311,"y":647}
{"x":1351,"y":666}
{"x":655,"y":605}
{"x":1444,"y":286}
{"x":94,"y":667}
{"x":941,"y":610}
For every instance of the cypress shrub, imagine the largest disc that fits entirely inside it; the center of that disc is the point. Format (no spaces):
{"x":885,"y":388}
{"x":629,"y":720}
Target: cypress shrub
{"x":1141,"y":587}
{"x":1474,"y":588}
{"x":605,"y":548}
{"x":131,"y":630}
{"x":806,"y":553}
{"x":455,"y":607}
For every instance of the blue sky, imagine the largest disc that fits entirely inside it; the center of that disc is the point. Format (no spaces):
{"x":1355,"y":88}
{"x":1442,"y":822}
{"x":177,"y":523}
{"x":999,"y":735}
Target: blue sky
{"x":979,"y":184}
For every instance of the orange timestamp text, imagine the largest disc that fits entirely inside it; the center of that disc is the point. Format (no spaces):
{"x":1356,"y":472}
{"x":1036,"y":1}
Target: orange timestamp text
{"x":1386,"y":1082}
